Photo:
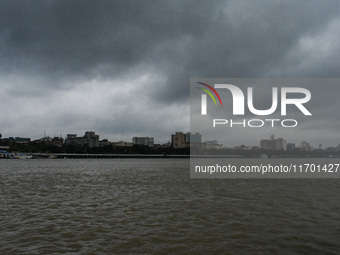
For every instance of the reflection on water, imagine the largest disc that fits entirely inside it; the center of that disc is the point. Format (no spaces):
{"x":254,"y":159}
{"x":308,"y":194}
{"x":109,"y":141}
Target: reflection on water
{"x":151,"y":206}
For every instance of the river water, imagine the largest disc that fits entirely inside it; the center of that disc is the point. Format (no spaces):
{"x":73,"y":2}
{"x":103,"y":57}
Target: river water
{"x":151,"y":206}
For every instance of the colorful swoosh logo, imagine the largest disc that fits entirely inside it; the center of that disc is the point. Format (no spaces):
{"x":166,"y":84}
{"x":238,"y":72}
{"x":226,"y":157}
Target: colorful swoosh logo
{"x":209,"y":93}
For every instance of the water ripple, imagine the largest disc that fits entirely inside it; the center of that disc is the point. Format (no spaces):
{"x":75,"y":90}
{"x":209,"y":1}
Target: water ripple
{"x":152,"y":207}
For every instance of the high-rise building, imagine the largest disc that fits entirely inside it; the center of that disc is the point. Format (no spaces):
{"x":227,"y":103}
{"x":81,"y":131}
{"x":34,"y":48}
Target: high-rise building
{"x":178,"y":140}
{"x":90,"y":139}
{"x":181,"y":140}
{"x":274,"y":144}
{"x":193,"y":138}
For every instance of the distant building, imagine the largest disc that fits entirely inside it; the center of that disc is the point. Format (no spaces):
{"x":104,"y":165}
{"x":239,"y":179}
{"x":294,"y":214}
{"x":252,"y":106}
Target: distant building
{"x":178,"y":140}
{"x":291,"y":147}
{"x":242,"y":147}
{"x":122,"y":144}
{"x":331,"y":149}
{"x":11,"y":140}
{"x":306,"y":146}
{"x":181,"y":140}
{"x":104,"y":142}
{"x":57,"y":141}
{"x":194,"y":138}
{"x":213,"y":145}
{"x":90,"y":139}
{"x":146,"y":141}
{"x":163,"y":146}
{"x":274,"y":144}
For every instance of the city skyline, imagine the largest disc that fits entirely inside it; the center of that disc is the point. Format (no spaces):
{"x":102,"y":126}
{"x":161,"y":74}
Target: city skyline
{"x":133,"y":140}
{"x":123,"y":68}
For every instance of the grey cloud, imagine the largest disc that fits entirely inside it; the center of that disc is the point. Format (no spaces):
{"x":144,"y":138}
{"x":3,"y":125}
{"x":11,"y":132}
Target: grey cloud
{"x":69,"y":38}
{"x":50,"y":48}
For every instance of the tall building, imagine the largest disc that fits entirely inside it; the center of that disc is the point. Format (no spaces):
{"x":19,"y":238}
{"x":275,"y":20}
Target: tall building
{"x":58,"y":141}
{"x":274,"y":144}
{"x":178,"y":140}
{"x":90,"y":139}
{"x":306,"y":146}
{"x":290,"y":146}
{"x":194,"y":138}
{"x":146,"y":141}
{"x":181,"y":140}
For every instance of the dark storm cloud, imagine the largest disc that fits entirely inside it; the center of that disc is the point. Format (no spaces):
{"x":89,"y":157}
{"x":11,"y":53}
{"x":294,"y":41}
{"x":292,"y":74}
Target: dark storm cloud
{"x":176,"y":38}
{"x":50,"y":50}
{"x":87,"y":38}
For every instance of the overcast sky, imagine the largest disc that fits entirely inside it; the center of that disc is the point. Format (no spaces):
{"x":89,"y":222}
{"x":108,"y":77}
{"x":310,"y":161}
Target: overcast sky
{"x":123,"y":68}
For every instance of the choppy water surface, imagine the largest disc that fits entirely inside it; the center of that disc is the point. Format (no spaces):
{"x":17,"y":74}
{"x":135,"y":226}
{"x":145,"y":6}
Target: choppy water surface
{"x":151,"y":206}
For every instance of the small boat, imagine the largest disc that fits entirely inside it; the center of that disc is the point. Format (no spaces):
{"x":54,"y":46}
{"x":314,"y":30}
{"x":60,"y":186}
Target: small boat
{"x":22,"y":156}
{"x":14,"y":155}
